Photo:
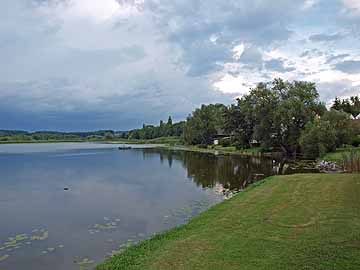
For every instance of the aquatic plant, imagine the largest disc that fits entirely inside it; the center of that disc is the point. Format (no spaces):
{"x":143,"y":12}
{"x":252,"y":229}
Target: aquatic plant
{"x":110,"y":224}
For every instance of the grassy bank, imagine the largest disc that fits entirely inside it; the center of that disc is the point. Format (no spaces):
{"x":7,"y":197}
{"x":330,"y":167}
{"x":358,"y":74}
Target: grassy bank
{"x":286,"y":222}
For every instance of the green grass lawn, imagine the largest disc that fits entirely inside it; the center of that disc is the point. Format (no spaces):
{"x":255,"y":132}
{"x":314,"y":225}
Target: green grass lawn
{"x":338,"y":155}
{"x":286,"y":222}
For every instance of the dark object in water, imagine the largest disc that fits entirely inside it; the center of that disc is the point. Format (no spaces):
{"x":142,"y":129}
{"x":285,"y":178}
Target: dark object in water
{"x":66,"y":188}
{"x":125,"y":147}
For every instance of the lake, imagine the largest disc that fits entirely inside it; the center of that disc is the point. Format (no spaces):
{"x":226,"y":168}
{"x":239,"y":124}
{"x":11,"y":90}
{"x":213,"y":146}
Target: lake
{"x":113,"y":198}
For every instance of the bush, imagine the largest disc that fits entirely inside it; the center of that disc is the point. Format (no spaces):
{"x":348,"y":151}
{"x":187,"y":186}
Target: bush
{"x":225,"y":142}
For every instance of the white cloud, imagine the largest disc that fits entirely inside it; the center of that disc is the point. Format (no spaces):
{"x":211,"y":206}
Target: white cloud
{"x":238,"y":51}
{"x":353,"y":5}
{"x":233,"y":84}
{"x":309,"y":3}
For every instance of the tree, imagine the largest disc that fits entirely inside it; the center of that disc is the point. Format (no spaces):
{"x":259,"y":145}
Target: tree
{"x":298,"y":105}
{"x":169,"y":123}
{"x":178,"y":129}
{"x":239,"y":121}
{"x":355,"y":110}
{"x":151,"y":132}
{"x":317,"y":139}
{"x":204,"y":124}
{"x":169,"y":126}
{"x":341,"y":123}
{"x":350,"y":106}
{"x":274,"y":114}
{"x":337,"y":104}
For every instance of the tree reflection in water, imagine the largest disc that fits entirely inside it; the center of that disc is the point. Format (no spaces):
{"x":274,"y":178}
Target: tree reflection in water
{"x":208,"y":170}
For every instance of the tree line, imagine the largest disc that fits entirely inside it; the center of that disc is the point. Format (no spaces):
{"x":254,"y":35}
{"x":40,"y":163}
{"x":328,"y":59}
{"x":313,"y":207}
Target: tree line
{"x":350,"y":106}
{"x":279,"y":115}
{"x":275,"y":116}
{"x":148,"y":132}
{"x":24,"y":136}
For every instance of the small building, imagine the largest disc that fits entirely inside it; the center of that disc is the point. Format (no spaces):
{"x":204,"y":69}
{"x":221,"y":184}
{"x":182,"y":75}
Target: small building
{"x":255,"y":143}
{"x":221,"y":135}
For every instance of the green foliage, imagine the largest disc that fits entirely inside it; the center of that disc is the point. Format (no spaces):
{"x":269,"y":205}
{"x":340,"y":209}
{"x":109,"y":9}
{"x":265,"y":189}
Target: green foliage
{"x":226,"y":142}
{"x":203,"y":146}
{"x":325,"y":134}
{"x":341,"y":123}
{"x":204,"y":124}
{"x":355,"y":141}
{"x":274,"y":114}
{"x":45,"y":136}
{"x":149,"y":132}
{"x":350,"y":106}
{"x":337,"y":156}
{"x":317,"y":139}
{"x":351,"y":161}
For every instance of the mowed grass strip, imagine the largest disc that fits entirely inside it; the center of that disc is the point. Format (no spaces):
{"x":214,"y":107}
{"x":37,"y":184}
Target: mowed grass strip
{"x":309,"y":221}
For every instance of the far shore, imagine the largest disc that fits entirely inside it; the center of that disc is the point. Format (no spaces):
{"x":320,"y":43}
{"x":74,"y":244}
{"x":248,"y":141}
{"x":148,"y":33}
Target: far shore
{"x":172,"y":144}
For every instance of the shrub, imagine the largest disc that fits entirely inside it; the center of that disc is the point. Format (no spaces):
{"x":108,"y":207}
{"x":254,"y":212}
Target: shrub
{"x":225,"y":142}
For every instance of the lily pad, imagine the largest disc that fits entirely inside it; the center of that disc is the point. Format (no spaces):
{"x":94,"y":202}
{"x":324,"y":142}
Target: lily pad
{"x":4,"y":257}
{"x":42,"y":237}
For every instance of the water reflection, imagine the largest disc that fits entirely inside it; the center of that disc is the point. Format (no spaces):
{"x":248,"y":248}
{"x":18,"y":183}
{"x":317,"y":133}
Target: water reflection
{"x":209,"y":170}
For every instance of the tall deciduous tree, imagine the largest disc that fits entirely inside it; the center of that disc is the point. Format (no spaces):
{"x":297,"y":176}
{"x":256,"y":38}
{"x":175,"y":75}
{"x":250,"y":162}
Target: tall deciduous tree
{"x":204,"y":124}
{"x":274,"y":114}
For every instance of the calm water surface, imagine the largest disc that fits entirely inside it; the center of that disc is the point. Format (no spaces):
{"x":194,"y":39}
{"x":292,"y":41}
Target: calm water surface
{"x":115,"y":198}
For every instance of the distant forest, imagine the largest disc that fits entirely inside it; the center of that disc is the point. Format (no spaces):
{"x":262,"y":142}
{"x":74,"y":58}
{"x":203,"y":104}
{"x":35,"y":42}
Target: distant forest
{"x":24,"y":136}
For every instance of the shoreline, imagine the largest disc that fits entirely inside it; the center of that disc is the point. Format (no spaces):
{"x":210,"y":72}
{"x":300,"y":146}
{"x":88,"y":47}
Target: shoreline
{"x":234,"y":232}
{"x":216,"y":151}
{"x":221,"y":151}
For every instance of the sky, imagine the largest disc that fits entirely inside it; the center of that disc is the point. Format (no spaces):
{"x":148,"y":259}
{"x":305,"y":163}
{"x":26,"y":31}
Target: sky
{"x":75,"y":65}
